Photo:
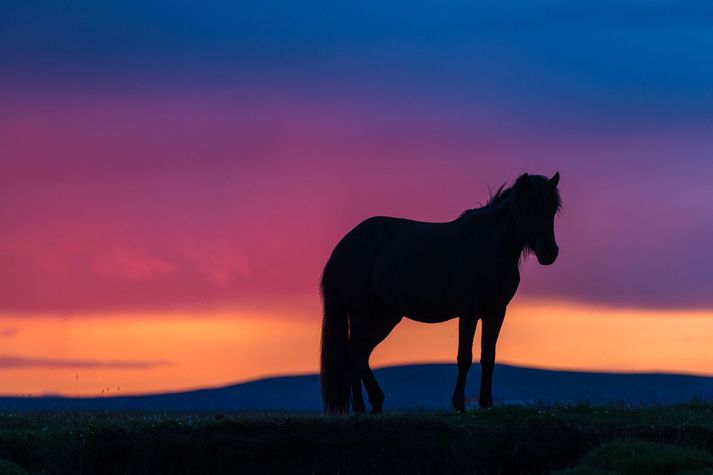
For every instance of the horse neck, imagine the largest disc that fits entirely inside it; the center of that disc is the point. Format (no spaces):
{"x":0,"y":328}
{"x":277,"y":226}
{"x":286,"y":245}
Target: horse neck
{"x":500,"y":220}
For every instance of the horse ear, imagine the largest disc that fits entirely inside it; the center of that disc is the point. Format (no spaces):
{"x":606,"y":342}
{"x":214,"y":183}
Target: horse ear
{"x":521,"y":181}
{"x":555,"y":179}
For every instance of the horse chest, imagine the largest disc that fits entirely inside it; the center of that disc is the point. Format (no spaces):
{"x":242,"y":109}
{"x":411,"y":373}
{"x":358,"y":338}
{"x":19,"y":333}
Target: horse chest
{"x":498,"y":291}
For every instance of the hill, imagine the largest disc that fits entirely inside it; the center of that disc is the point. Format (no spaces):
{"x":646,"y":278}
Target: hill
{"x":425,"y":386}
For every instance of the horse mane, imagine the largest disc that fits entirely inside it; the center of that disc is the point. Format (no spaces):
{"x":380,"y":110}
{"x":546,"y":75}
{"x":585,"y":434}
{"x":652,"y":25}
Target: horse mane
{"x":503,"y":193}
{"x":496,"y":198}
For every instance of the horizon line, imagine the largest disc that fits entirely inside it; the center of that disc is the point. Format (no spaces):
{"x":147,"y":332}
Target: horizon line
{"x":376,"y":368}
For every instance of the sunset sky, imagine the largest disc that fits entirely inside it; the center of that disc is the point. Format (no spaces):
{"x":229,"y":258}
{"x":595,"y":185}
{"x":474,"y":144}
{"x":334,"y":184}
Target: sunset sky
{"x":174,"y":175}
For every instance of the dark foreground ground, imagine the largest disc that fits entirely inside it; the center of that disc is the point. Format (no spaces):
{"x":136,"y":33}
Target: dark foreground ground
{"x":529,"y":440}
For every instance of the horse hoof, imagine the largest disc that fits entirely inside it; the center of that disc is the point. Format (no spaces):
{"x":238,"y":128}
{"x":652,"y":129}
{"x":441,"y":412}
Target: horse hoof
{"x":376,"y":410}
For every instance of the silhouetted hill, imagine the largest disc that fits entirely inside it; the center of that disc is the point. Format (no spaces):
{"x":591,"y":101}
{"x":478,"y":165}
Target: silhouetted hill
{"x":426,"y":386}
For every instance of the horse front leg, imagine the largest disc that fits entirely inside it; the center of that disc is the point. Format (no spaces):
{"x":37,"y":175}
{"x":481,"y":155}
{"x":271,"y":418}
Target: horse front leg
{"x":466,"y":332}
{"x":491,"y":329}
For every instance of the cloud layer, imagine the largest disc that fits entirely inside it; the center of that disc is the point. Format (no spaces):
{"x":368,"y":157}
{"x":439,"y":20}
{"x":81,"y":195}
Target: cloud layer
{"x":20,"y":362}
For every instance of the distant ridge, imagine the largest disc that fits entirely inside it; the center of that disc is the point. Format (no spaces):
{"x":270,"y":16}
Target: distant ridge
{"x":426,"y":386}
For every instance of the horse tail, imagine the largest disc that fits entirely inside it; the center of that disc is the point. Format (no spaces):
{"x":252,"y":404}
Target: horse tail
{"x":334,"y":369}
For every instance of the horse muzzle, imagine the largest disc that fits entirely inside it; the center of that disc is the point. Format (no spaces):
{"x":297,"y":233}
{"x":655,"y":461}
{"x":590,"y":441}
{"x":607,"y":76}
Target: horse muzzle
{"x":547,"y":257}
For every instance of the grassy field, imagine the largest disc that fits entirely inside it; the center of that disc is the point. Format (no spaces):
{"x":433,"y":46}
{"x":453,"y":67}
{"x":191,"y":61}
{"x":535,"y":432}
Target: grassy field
{"x":529,"y":440}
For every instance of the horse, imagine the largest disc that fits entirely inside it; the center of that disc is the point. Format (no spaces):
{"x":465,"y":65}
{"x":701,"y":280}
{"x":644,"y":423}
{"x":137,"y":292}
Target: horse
{"x":388,"y":268}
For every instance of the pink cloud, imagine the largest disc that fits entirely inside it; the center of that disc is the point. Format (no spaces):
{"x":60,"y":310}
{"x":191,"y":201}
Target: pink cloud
{"x":9,"y":332}
{"x":123,"y":263}
{"x":17,"y":362}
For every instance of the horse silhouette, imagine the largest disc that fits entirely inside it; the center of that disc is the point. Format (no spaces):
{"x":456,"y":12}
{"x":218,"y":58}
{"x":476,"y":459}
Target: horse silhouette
{"x":387,"y":268}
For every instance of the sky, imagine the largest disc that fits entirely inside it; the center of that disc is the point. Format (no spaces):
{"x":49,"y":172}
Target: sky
{"x":174,"y":175}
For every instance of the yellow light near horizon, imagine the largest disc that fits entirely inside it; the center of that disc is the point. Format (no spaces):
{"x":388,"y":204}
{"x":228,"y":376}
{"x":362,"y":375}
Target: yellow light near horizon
{"x":192,"y":350}
{"x":559,"y":335}
{"x":577,"y":337}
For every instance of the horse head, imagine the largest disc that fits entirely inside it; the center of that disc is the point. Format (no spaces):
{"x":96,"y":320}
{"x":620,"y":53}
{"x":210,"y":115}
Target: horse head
{"x":536,"y":202}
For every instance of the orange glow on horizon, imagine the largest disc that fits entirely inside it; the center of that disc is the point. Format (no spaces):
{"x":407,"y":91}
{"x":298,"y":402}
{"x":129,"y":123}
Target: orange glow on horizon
{"x":130,"y":354}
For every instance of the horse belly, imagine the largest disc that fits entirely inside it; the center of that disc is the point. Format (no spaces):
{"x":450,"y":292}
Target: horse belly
{"x":442,"y":292}
{"x":430,"y":318}
{"x":423,"y":297}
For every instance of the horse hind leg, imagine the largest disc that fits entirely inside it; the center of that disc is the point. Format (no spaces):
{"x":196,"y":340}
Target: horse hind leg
{"x":358,"y":353}
{"x":357,"y":350}
{"x":380,"y":328}
{"x":376,"y":394}
{"x":367,"y":329}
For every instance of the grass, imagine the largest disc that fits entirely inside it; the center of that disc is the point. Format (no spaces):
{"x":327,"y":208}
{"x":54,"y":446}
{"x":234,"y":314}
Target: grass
{"x":642,"y":457}
{"x":519,"y":440}
{"x":9,"y":468}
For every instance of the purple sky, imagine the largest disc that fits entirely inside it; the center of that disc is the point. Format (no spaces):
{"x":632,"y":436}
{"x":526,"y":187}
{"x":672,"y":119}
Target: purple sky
{"x":165,"y":156}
